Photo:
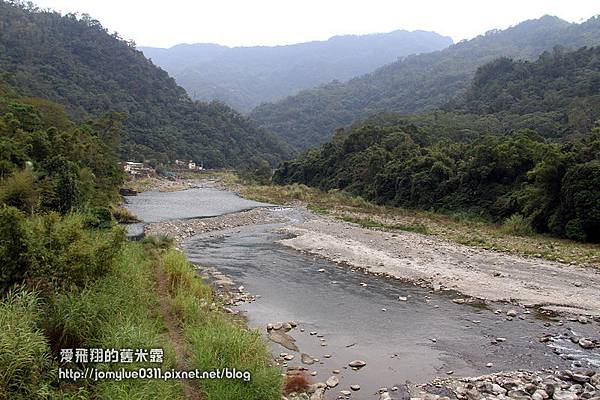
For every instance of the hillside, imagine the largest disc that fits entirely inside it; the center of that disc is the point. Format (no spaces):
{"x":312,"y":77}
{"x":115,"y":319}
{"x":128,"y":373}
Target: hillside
{"x":77,"y":63}
{"x":244,"y":77}
{"x":415,"y":83}
{"x":493,"y":155}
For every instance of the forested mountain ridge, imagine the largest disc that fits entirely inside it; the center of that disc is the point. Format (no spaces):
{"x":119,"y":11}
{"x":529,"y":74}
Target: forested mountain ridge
{"x":75,"y":62}
{"x":494,"y":153}
{"x":244,"y":77}
{"x":415,"y":83}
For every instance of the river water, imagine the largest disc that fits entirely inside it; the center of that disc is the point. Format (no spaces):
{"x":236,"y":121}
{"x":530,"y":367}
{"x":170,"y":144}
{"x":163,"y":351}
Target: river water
{"x":359,"y":316}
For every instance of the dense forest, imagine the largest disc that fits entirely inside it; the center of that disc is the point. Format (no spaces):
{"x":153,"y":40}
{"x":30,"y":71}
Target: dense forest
{"x":245,"y":77}
{"x":495,"y":153}
{"x":415,"y":83}
{"x":77,"y":63}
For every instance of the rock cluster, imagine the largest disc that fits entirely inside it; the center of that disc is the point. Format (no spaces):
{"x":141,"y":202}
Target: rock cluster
{"x":582,"y":384}
{"x":183,"y":229}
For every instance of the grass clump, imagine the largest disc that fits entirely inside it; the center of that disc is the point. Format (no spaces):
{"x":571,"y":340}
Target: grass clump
{"x":216,"y":340}
{"x":516,"y":224}
{"x":25,"y":359}
{"x":124,"y":216}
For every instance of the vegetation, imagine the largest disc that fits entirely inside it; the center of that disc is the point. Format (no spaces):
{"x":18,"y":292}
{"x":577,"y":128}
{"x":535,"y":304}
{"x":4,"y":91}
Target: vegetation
{"x":455,"y":226}
{"x":64,"y":58}
{"x":245,"y":77}
{"x":217,"y":341}
{"x":532,"y":182}
{"x":415,"y":83}
{"x":70,"y":279}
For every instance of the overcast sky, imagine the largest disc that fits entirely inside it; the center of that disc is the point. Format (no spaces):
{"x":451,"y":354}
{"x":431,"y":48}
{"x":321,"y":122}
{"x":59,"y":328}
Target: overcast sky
{"x":272,"y":22}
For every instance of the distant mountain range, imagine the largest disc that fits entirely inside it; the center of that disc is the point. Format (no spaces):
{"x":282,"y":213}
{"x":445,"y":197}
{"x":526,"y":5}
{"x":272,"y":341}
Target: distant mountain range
{"x":415,"y":83}
{"x":244,"y":77}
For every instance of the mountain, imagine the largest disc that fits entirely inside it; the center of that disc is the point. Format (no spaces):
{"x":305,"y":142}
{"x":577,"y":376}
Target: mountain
{"x":521,"y":145}
{"x":415,"y":83}
{"x":244,"y":77}
{"x":77,"y":63}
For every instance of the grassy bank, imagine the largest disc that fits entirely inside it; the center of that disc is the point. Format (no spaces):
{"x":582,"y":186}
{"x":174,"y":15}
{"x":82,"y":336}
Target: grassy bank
{"x":122,"y":310}
{"x":215,"y":340}
{"x":460,"y":228}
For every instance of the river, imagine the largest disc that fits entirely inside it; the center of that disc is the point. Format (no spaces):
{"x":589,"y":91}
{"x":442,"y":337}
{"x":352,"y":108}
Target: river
{"x":403,"y":332}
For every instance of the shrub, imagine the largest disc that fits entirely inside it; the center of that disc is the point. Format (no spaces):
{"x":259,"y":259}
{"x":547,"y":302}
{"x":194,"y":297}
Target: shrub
{"x":99,"y":218}
{"x":124,"y":216}
{"x":19,"y":190}
{"x":516,"y":224}
{"x":13,"y":247}
{"x":63,"y":253}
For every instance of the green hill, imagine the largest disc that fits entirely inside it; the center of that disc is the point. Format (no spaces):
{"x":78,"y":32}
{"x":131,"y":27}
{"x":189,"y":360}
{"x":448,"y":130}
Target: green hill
{"x":76,"y":62}
{"x":517,"y":148}
{"x":415,"y":83}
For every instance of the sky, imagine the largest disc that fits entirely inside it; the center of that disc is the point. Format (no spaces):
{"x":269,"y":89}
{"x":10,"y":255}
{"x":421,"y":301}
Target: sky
{"x":278,"y":22}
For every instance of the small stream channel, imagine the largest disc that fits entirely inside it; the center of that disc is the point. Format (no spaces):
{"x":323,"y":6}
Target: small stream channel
{"x":357,"y":315}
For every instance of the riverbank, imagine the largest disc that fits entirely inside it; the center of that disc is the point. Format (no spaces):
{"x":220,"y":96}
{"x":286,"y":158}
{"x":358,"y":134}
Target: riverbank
{"x":426,"y":261}
{"x":455,"y":228}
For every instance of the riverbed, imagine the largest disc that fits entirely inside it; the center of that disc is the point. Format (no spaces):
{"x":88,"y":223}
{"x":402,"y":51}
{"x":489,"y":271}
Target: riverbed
{"x":404,"y":332}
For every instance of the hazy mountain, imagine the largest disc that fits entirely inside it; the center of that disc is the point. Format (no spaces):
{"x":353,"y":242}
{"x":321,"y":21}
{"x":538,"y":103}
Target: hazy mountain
{"x":415,"y":83}
{"x":245,"y":77}
{"x":75,"y":62}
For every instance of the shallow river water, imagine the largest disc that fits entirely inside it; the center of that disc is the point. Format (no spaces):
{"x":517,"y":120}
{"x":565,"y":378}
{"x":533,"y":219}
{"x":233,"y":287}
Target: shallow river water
{"x":360,"y":316}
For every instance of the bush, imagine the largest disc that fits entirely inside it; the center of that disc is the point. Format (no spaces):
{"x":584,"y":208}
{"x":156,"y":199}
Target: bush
{"x":99,"y":218}
{"x":13,"y":247}
{"x":64,"y":253}
{"x":516,"y":224}
{"x":19,"y":190}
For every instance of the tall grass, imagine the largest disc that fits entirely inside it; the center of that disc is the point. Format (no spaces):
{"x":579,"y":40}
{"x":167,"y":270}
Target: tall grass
{"x":217,"y":341}
{"x":26,"y":364}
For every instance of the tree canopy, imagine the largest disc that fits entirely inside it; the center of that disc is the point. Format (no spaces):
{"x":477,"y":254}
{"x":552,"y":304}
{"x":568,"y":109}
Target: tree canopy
{"x":74,"y":61}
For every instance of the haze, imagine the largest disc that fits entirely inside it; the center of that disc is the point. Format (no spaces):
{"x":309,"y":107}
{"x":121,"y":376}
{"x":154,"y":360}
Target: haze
{"x":274,"y":22}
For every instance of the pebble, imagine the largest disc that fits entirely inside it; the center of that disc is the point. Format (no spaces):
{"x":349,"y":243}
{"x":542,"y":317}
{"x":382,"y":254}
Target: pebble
{"x":345,"y":392}
{"x":356,"y":388}
{"x":402,"y":298}
{"x":511,"y":313}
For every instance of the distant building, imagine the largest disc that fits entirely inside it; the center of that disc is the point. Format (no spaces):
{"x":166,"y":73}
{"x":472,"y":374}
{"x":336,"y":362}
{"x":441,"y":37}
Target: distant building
{"x":137,"y":169}
{"x":190,"y":165}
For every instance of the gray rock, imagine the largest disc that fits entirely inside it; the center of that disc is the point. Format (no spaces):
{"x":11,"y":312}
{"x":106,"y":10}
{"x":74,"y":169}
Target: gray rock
{"x":511,"y":313}
{"x":319,"y":394}
{"x":345,"y":392}
{"x":564,"y":395}
{"x":306,"y":359}
{"x":332,"y":382}
{"x":595,"y":380}
{"x":385,"y":396}
{"x":357,"y":363}
{"x":580,"y":378}
{"x":497,"y":389}
{"x":585,"y":343}
{"x":283,"y":339}
{"x":356,"y":388}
